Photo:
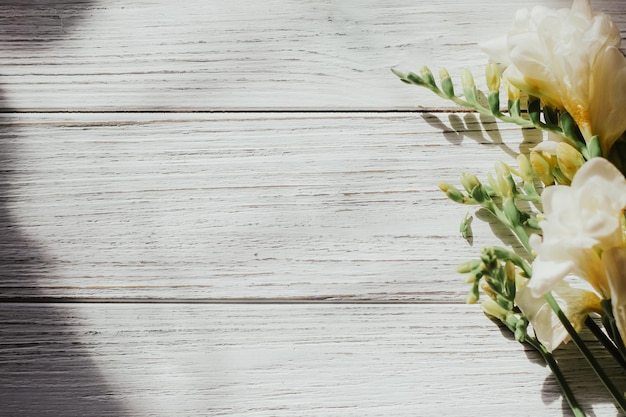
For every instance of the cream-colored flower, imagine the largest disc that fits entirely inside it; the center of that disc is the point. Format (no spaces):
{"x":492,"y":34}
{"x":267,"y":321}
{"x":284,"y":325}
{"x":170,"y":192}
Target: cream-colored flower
{"x":582,"y":220}
{"x":576,"y":303}
{"x":570,"y":59}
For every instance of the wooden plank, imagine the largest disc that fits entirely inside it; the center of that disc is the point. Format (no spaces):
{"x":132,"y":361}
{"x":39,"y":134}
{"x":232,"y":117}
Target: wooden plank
{"x":241,"y":205}
{"x":217,"y":55}
{"x":278,"y":360}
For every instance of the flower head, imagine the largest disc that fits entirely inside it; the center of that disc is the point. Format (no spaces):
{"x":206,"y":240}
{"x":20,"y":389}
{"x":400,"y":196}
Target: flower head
{"x":582,"y":221}
{"x":570,"y":59}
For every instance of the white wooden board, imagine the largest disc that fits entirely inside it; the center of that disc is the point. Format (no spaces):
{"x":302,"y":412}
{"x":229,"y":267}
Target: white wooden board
{"x":243,"y":205}
{"x":275,"y":360}
{"x":275,"y":54}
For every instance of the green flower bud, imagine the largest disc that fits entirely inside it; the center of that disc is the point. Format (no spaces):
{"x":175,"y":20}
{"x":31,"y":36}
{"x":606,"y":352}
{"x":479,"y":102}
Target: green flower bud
{"x":479,"y":194}
{"x":534,"y":109}
{"x":569,"y":159}
{"x":511,"y":211}
{"x":446,"y":83}
{"x":427,"y":76}
{"x":465,"y":227}
{"x":452,"y":192}
{"x":570,"y":128}
{"x":494,"y":103}
{"x":414,"y":78}
{"x":594,"y":147}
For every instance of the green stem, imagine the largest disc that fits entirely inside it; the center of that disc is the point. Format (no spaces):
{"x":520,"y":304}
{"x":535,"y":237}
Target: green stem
{"x":519,"y":231}
{"x":560,"y":378}
{"x":580,"y":344}
{"x":606,"y":341}
{"x":523,"y":237}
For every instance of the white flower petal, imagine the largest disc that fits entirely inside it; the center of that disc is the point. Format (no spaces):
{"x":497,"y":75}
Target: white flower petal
{"x":575,"y":303}
{"x":546,"y":274}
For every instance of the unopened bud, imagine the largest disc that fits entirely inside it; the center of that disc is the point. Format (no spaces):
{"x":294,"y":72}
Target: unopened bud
{"x":569,"y":159}
{"x":452,"y":192}
{"x":512,"y":92}
{"x":493,"y":309}
{"x":465,"y":227}
{"x":427,"y":76}
{"x":472,"y":297}
{"x":446,"y":83}
{"x":467,"y":79}
{"x":502,"y":178}
{"x":594,"y":147}
{"x":542,"y":167}
{"x":469,"y":87}
{"x":469,"y":181}
{"x":525,"y":169}
{"x":511,"y":211}
{"x":492,"y":74}
{"x":468,"y":266}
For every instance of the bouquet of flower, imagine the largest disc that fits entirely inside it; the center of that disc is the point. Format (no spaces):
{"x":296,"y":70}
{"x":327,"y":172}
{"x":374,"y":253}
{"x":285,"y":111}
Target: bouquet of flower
{"x":565,"y":202}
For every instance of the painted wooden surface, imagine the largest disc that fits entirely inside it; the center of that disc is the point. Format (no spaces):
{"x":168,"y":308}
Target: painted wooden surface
{"x":278,"y":54}
{"x":245,"y":205}
{"x":274,"y":360}
{"x":231,"y":208}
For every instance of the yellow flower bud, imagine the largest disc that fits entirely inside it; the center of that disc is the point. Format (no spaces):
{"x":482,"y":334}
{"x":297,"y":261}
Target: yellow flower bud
{"x":525,"y":169}
{"x":467,"y":79}
{"x":502,"y":174}
{"x":493,"y":309}
{"x":569,"y":159}
{"x":452,"y":192}
{"x":513,"y":92}
{"x":542,"y":167}
{"x":492,"y":74}
{"x":471,"y":298}
{"x":469,"y":181}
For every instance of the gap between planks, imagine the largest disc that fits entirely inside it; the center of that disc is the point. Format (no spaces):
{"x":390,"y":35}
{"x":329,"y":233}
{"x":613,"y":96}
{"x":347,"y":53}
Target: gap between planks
{"x":251,"y":110}
{"x":217,"y":301}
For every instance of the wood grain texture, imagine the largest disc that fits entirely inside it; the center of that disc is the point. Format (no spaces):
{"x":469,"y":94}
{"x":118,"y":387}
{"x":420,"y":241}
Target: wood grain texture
{"x":184,"y":360}
{"x":244,"y":205}
{"x":276,"y":54}
{"x":220,"y":241}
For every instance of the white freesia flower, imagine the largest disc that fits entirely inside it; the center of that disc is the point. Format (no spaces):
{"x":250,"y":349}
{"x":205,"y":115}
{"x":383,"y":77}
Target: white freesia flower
{"x":576,"y":303}
{"x":570,"y":59}
{"x":582,"y":220}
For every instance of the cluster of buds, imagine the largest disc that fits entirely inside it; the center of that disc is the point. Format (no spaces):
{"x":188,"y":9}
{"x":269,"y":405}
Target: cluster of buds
{"x":525,"y":111}
{"x":499,"y":196}
{"x":497,"y":273}
{"x":557,"y":163}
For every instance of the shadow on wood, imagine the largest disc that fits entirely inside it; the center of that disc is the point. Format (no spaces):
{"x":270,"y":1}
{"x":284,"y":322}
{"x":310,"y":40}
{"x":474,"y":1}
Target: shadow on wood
{"x":36,"y":378}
